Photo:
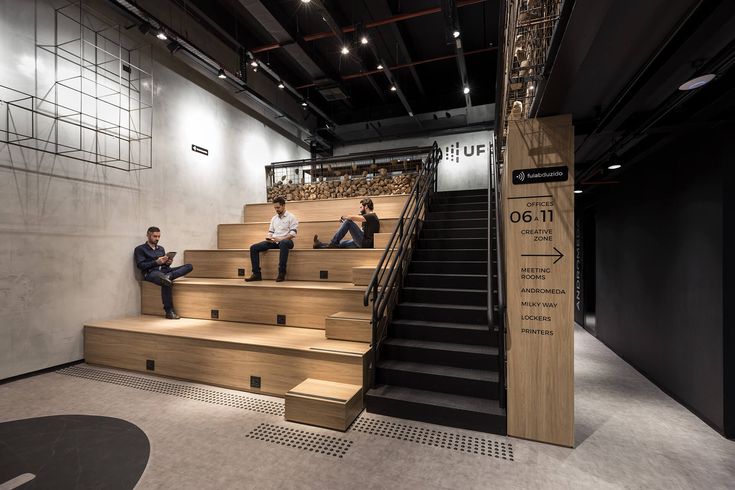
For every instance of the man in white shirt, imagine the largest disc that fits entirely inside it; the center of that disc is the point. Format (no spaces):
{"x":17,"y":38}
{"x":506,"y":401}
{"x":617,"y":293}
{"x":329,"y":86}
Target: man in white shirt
{"x":281,"y":233}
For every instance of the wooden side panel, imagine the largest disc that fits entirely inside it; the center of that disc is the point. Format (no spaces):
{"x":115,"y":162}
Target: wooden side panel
{"x":356,"y":327}
{"x":258,"y":303}
{"x":303,"y":265}
{"x":243,"y":235}
{"x":219,"y":363}
{"x":361,"y":275}
{"x":327,"y":209}
{"x":324,"y":404}
{"x":539,"y":226}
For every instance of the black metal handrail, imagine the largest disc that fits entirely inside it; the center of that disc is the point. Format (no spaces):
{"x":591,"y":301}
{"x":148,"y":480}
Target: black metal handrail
{"x":388,"y":277}
{"x":496,"y":309}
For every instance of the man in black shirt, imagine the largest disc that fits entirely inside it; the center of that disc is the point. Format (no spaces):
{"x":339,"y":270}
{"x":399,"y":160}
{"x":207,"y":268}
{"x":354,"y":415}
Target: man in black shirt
{"x":361,"y":238}
{"x":155,"y":265}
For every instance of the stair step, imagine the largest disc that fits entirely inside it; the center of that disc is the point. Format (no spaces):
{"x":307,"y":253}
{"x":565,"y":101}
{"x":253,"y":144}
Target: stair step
{"x":463,"y":412}
{"x":460,"y":199}
{"x":445,"y":353}
{"x":455,"y":223}
{"x":463,"y":281}
{"x":473,"y":297}
{"x":465,"y":333}
{"x":465,"y":192}
{"x":446,"y":379}
{"x":466,"y":243}
{"x":471,"y":267}
{"x":451,"y":255}
{"x":441,"y":312}
{"x":458,"y":214}
{"x":455,"y":233}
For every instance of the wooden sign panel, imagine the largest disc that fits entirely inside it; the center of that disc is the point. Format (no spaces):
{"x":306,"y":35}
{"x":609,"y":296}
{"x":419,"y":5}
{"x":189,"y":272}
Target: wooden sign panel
{"x":538,"y":207}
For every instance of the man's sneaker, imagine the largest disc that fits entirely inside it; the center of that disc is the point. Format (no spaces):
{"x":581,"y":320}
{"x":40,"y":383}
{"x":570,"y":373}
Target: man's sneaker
{"x":281,"y":277}
{"x":166,"y":281}
{"x":254,"y":277}
{"x":171,"y":315}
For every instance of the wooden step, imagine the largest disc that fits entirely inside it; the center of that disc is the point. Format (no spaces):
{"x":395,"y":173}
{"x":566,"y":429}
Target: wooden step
{"x":224,"y":353}
{"x":361,"y":275}
{"x":245,"y":234}
{"x":324,"y":403}
{"x":302,"y":303}
{"x":327,"y":209}
{"x":350,"y":325}
{"x":303,"y":265}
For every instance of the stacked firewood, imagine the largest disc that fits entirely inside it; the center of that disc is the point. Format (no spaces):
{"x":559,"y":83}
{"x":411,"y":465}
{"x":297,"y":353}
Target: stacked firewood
{"x":345,"y":186}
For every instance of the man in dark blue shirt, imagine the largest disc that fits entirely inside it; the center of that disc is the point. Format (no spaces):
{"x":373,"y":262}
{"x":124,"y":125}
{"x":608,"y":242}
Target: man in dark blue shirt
{"x":155,"y":265}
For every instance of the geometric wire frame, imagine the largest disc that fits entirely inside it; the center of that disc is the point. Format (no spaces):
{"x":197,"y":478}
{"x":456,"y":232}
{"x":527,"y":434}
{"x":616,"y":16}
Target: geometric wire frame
{"x":99,"y":106}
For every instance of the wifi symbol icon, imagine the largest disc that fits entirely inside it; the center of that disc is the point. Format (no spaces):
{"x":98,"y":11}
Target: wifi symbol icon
{"x":521,"y":176}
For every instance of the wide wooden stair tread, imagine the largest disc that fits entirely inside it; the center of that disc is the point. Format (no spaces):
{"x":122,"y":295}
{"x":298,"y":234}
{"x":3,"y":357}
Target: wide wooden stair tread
{"x":241,"y":283}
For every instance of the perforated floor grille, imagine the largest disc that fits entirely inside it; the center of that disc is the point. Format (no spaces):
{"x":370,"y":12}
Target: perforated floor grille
{"x":301,"y":439}
{"x":184,"y":391}
{"x":436,"y":438}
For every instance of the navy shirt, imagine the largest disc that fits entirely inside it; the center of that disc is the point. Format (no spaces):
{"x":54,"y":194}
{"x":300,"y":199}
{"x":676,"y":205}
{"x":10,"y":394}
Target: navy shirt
{"x":145,"y":257}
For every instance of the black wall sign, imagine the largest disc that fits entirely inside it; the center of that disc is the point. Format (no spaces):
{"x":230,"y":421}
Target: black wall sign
{"x":539,"y":175}
{"x":199,"y":149}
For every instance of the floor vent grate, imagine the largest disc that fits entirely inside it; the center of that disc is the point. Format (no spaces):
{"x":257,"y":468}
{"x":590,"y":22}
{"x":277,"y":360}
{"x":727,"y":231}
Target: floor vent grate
{"x":436,"y":438}
{"x":234,"y":400}
{"x":301,"y":439}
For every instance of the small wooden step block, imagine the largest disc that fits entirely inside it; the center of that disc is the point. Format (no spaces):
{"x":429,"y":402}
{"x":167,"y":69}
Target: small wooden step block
{"x":324,"y":404}
{"x":349,"y":325}
{"x":361,"y":275}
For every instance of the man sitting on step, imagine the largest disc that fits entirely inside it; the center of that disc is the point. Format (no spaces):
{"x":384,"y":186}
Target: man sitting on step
{"x":361,"y":238}
{"x":281,"y":233}
{"x":155,"y":264}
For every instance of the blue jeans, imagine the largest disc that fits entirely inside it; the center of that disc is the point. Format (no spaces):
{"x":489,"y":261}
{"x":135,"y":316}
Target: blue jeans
{"x":348,"y":226}
{"x":284,"y":246}
{"x":154,"y":276}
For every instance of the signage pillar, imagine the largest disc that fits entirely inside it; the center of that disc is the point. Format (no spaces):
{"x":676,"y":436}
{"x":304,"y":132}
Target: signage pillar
{"x":538,"y":224}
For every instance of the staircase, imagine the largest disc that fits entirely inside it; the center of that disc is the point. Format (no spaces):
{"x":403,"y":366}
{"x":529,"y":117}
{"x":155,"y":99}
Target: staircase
{"x":440,"y":362}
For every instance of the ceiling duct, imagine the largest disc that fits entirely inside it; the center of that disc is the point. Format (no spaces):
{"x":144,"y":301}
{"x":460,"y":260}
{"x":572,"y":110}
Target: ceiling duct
{"x":332,"y":93}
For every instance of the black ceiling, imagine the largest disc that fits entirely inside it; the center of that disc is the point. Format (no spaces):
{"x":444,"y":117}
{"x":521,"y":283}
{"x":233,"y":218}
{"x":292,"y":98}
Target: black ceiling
{"x":618,"y":70}
{"x":280,"y":33}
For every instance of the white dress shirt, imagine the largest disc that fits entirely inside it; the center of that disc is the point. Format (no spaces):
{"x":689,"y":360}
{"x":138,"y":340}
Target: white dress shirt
{"x":283,"y":225}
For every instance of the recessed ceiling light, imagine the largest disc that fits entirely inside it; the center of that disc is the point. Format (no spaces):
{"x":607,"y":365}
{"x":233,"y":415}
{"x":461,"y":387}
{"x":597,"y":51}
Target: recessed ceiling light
{"x":577,"y":191}
{"x":281,"y":85}
{"x":304,"y":104}
{"x":161,"y":35}
{"x":221,"y":73}
{"x":345,"y":50}
{"x":466,"y":90}
{"x":305,"y":1}
{"x":254,"y":64}
{"x":363,"y":40}
{"x":380,"y":67}
{"x":455,"y":34}
{"x":697,"y":82}
{"x":393,"y":88}
{"x":614,"y":166}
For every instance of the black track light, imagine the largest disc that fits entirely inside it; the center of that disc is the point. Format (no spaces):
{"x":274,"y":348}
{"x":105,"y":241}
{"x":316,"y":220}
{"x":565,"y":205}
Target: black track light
{"x":221,"y":73}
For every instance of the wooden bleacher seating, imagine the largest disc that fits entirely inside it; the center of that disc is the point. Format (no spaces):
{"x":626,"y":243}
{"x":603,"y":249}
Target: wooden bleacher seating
{"x":327,"y":209}
{"x":324,"y":403}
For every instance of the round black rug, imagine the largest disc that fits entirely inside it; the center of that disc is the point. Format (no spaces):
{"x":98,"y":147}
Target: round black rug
{"x":72,"y":451}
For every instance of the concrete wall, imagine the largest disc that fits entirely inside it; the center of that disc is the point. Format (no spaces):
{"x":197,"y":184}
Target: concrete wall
{"x":466,"y":157}
{"x":68,"y":228}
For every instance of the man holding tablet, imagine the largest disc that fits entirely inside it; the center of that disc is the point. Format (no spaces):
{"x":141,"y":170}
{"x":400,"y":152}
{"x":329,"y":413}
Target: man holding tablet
{"x":155,"y":264}
{"x":282,"y":231}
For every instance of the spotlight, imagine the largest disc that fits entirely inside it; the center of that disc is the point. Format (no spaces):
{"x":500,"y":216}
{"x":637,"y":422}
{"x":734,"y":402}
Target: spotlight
{"x":697,"y":82}
{"x":466,"y":90}
{"x":410,"y":113}
{"x":254,"y":64}
{"x":577,"y":191}
{"x":305,"y":1}
{"x":363,"y":40}
{"x":304,"y":104}
{"x":393,"y":88}
{"x":221,"y":73}
{"x":614,"y":166}
{"x":345,"y":50}
{"x":281,"y":85}
{"x":455,"y":34}
{"x":380,"y":67}
{"x":161,"y":35}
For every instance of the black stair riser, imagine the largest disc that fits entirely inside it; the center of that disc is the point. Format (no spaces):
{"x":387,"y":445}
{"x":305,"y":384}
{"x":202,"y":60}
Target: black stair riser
{"x":450,"y":255}
{"x":455,"y":233}
{"x":470,"y":268}
{"x":461,"y":419}
{"x":440,"y":199}
{"x":448,"y":208}
{"x":442,"y":334}
{"x":455,"y":223}
{"x":458,"y":214}
{"x":464,"y":243}
{"x":474,"y":298}
{"x":436,"y":356}
{"x":444,"y":281}
{"x":433,"y":382}
{"x":438,"y":314}
{"x":464,"y":192}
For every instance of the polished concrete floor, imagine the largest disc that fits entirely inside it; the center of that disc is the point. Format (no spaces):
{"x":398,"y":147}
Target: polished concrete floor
{"x":629,"y":435}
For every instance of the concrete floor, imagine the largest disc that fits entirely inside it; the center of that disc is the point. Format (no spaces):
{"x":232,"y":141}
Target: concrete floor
{"x":629,"y":435}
